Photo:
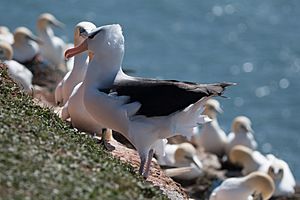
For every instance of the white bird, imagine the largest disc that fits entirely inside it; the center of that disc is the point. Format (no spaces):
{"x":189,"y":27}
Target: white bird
{"x":6,"y":35}
{"x":76,"y":75}
{"x":284,"y":180}
{"x":18,"y":72}
{"x":241,"y":134}
{"x":182,"y":155}
{"x":248,"y":159}
{"x":211,"y":137}
{"x":242,"y":188}
{"x":147,"y":110}
{"x":25,"y":46}
{"x":53,"y":47}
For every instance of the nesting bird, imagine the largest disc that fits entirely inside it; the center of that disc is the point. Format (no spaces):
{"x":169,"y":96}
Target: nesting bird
{"x":6,"y":35}
{"x":69,"y":91}
{"x":25,"y":46}
{"x":18,"y":72}
{"x":182,"y":155}
{"x":241,"y":134}
{"x":257,"y":183}
{"x":76,"y":75}
{"x":143,"y":110}
{"x":53,"y":47}
{"x":250,"y":160}
{"x":281,"y":174}
{"x":211,"y":137}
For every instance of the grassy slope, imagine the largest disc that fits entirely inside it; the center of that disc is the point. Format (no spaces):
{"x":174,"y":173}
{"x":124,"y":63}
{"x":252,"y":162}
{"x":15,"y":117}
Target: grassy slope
{"x":43,"y":158}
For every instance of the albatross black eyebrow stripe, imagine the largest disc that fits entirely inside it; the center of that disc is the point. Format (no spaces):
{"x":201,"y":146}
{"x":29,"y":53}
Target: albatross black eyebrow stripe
{"x":92,"y":34}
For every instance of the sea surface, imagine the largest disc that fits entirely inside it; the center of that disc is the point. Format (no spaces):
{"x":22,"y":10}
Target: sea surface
{"x":253,"y":43}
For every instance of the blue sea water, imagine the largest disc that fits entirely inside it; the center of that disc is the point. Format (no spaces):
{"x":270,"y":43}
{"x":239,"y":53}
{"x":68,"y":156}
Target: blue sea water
{"x":253,"y":43}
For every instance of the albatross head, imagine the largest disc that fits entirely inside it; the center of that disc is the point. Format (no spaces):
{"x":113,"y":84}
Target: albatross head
{"x":82,"y":31}
{"x":6,"y":51}
{"x":105,"y":42}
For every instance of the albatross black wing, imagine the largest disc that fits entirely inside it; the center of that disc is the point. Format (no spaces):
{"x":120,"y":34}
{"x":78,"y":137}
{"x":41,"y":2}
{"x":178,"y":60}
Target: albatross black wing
{"x":163,"y":97}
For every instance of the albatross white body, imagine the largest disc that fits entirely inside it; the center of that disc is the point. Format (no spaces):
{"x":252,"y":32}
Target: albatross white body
{"x":77,"y":74}
{"x":123,"y":113}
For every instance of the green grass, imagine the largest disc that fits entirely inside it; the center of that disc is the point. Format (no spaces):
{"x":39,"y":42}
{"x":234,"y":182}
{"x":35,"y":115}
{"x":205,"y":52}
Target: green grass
{"x":43,"y":158}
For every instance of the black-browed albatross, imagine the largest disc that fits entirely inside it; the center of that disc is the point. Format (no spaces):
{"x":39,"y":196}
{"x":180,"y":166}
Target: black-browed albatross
{"x":144,"y":110}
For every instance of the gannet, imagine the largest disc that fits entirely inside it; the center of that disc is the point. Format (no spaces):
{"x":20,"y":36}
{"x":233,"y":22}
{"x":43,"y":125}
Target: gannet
{"x":53,"y":47}
{"x":143,"y":110}
{"x":18,"y":72}
{"x":241,"y":134}
{"x":242,"y":188}
{"x":211,"y":137}
{"x":25,"y":46}
{"x":76,"y":75}
{"x":6,"y":35}
{"x":182,"y":155}
{"x":248,"y":159}
{"x":284,"y":180}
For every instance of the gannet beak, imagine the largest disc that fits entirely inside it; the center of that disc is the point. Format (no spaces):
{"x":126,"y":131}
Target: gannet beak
{"x":35,"y":38}
{"x":195,"y":160}
{"x":219,"y":109}
{"x":58,"y":24}
{"x":76,"y":50}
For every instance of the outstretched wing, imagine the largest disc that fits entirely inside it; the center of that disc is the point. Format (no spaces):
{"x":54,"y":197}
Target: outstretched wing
{"x":163,"y":97}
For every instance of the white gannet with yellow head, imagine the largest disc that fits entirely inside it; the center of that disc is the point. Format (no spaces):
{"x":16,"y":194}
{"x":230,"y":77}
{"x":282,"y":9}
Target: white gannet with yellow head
{"x":283,"y":177}
{"x":18,"y":72}
{"x":76,"y":75}
{"x":241,"y":134}
{"x":6,"y":35}
{"x":182,"y":155}
{"x":25,"y":46}
{"x":245,"y":188}
{"x":248,"y":159}
{"x":53,"y":47}
{"x":211,"y":137}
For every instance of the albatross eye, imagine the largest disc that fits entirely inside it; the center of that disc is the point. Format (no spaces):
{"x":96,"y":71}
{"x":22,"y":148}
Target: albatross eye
{"x":93,"y":34}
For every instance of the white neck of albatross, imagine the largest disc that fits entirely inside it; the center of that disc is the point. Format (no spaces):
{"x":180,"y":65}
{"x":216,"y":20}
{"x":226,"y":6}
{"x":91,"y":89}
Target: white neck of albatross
{"x":102,"y":72}
{"x":80,"y":64}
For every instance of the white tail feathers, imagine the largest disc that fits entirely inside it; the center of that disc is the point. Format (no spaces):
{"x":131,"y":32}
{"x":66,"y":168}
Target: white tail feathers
{"x":184,"y":121}
{"x":178,"y":171}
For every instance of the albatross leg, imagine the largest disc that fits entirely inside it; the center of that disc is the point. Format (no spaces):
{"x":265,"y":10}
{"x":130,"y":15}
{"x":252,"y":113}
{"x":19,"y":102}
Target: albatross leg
{"x":106,"y":137}
{"x":142,"y":165}
{"x":148,"y":164}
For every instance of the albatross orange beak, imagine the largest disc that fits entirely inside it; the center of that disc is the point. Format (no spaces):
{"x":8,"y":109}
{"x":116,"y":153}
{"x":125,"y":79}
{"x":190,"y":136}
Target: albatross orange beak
{"x":76,"y":50}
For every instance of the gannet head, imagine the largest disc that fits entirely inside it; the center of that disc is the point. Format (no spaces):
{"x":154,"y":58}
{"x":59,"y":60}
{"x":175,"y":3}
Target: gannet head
{"x":4,"y":30}
{"x":105,"y":42}
{"x":186,"y":154}
{"x":212,"y":107}
{"x":241,"y":124}
{"x":6,"y":51}
{"x":46,"y":19}
{"x":241,"y":155}
{"x":23,"y":35}
{"x":262,"y":184}
{"x":81,"y":32}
